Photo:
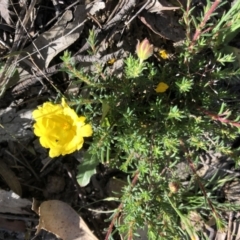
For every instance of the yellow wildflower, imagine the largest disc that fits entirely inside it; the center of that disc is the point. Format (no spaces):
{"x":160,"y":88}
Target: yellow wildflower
{"x":161,"y":87}
{"x":60,"y":128}
{"x":111,"y":61}
{"x":163,"y":54}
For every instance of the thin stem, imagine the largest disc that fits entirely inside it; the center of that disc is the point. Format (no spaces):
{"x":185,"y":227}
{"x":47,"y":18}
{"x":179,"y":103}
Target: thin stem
{"x":78,"y":74}
{"x":191,"y":164}
{"x":220,"y":119}
{"x":203,"y":23}
{"x":134,"y":181}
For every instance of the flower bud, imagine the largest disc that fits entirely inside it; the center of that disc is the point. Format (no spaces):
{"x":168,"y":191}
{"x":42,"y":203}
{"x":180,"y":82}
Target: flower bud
{"x":144,"y":50}
{"x":173,"y":187}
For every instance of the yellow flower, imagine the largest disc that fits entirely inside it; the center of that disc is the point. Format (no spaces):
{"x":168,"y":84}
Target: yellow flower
{"x":144,"y":50}
{"x":163,"y":54}
{"x":112,"y":61}
{"x":161,"y":87}
{"x":60,"y":128}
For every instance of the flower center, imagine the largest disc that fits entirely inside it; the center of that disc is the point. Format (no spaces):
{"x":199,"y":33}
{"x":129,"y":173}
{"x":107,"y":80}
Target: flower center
{"x":66,"y":126}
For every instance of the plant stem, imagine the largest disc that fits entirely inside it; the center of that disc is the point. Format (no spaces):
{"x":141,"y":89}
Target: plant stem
{"x":134,"y":181}
{"x":202,"y":24}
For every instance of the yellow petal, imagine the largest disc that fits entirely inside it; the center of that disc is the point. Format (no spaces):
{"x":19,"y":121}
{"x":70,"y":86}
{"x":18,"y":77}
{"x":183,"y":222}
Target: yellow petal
{"x":39,"y":129}
{"x":54,"y":153}
{"x":64,"y":104}
{"x":163,"y":54}
{"x":161,"y":87}
{"x":47,"y":109}
{"x":75,"y":144}
{"x":80,"y":122}
{"x":44,"y":142}
{"x":85,"y":131}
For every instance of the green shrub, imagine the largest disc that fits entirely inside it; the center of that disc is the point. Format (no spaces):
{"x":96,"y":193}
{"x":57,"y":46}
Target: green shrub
{"x":146,"y":132}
